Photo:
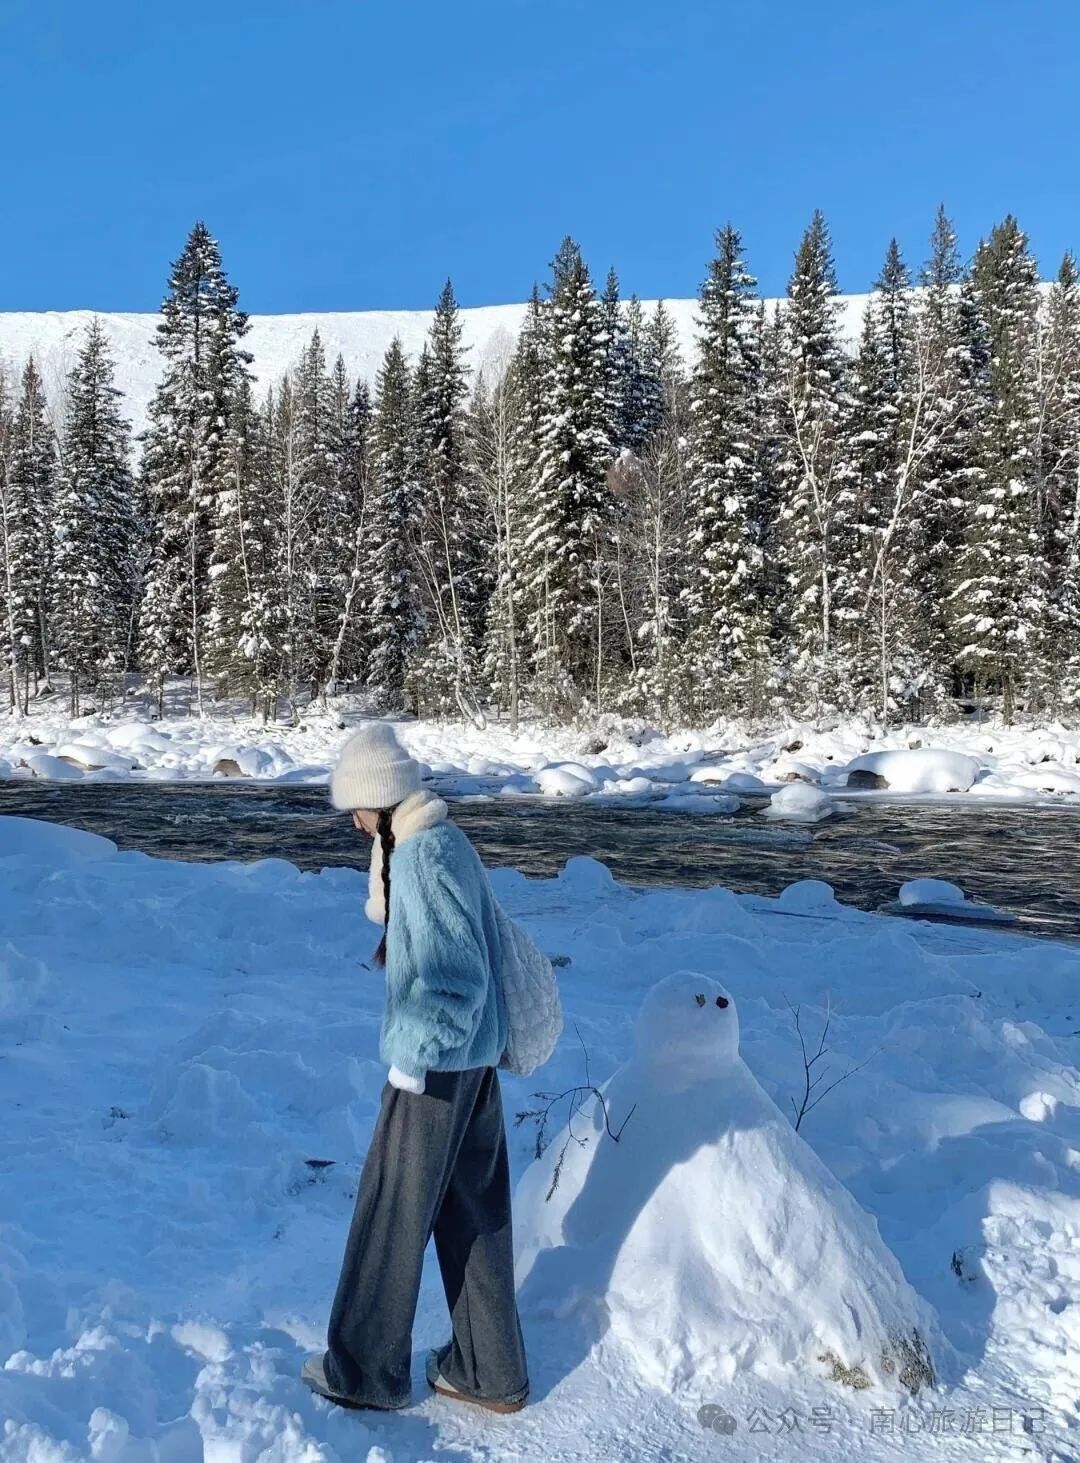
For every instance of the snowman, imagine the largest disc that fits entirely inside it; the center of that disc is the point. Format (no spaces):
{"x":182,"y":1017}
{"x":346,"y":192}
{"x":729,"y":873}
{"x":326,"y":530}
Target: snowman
{"x":709,"y":1239}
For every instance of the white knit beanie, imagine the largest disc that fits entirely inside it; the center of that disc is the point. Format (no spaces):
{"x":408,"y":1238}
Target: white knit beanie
{"x":373,"y":770}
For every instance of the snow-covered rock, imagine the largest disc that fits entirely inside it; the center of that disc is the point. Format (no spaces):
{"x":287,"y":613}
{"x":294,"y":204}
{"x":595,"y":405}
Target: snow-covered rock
{"x":92,"y":757}
{"x":708,"y":1237}
{"x":568,"y":780}
{"x":52,"y":769}
{"x":798,"y":802}
{"x":924,"y":769}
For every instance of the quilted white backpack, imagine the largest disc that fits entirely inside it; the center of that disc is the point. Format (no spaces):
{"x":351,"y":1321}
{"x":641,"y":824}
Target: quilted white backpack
{"x":533,"y":1009}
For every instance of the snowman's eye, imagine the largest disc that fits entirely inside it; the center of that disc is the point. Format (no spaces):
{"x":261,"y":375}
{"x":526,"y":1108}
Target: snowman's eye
{"x":721,"y":1001}
{"x":700,"y":1000}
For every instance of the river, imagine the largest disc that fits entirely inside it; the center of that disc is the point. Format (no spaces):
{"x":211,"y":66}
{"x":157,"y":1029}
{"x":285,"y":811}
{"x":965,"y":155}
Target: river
{"x":1021,"y":860}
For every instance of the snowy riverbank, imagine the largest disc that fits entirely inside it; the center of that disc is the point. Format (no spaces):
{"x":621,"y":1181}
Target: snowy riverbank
{"x":188,"y":1068}
{"x":616,"y":759}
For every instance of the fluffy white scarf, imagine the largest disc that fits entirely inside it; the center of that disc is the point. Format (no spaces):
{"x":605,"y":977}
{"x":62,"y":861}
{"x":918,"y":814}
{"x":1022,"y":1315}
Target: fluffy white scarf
{"x":412,"y":815}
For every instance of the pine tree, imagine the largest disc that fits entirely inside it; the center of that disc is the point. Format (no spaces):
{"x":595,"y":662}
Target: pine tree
{"x":951,"y":366}
{"x":569,"y":539}
{"x":663,"y":364}
{"x":651,"y":573}
{"x":320,"y":447}
{"x":184,"y":456}
{"x":1058,"y":487}
{"x":506,"y":451}
{"x":618,"y":368}
{"x":394,"y":621}
{"x":96,"y":555}
{"x":451,"y":543}
{"x":768,"y":585}
{"x":723,"y":557}
{"x":642,"y":398}
{"x":26,"y":523}
{"x":353,"y":414}
{"x":815,"y":480}
{"x":244,"y":626}
{"x":887,"y":658}
{"x":1002,"y":586}
{"x":491,"y":461}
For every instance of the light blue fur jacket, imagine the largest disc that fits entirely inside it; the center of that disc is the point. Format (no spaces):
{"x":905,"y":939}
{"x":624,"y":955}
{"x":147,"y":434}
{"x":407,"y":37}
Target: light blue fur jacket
{"x":444,"y":1006}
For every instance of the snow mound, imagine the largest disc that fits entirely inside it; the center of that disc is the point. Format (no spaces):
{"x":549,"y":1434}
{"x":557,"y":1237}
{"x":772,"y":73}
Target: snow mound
{"x":931,"y":891}
{"x":798,"y":802}
{"x":709,"y":1239}
{"x":919,"y":769}
{"x":808,"y":896}
{"x":939,"y":897}
{"x":566,"y":781}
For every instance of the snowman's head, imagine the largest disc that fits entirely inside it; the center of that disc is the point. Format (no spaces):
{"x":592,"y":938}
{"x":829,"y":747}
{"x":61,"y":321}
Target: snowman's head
{"x":688,"y":1023}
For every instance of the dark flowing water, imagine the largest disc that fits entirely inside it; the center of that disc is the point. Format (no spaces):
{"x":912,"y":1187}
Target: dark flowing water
{"x":1021,"y":860}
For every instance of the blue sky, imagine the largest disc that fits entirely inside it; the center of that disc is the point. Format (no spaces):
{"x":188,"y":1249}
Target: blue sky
{"x":350,"y":154}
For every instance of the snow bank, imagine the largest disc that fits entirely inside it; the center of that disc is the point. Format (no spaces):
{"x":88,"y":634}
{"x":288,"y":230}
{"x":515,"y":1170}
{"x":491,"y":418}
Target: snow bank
{"x":190,"y":1061}
{"x":30,"y":842}
{"x":616,"y":760}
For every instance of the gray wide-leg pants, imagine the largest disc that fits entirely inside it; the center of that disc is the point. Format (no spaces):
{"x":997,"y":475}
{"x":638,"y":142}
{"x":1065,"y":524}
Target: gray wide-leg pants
{"x":437,"y":1164}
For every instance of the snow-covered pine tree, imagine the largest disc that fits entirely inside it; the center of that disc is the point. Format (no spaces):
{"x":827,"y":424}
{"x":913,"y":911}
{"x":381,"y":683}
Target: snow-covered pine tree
{"x":244,"y":625}
{"x":95,"y":570}
{"x":663,"y":363}
{"x":451,"y":542}
{"x":1002,"y":589}
{"x":393,"y":616}
{"x":571,"y":623}
{"x":618,"y":367}
{"x":320,"y":446}
{"x":951,"y":371}
{"x":491,"y":429}
{"x":294,"y":510}
{"x":643,"y":387}
{"x":28,"y":486}
{"x":770,"y":583}
{"x":11,"y":536}
{"x":815,"y":478}
{"x":505,"y":452}
{"x":721,"y":552}
{"x":353,"y":415}
{"x":887,"y":429}
{"x":651,"y":575}
{"x":1058,"y":494}
{"x":183,"y":463}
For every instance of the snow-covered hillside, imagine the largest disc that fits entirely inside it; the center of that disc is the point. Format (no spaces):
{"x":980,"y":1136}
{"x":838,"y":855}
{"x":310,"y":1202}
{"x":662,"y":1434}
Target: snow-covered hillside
{"x":360,"y":336}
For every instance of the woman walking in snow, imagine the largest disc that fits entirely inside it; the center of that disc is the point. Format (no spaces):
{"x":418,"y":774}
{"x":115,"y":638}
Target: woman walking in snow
{"x":437,"y":1163}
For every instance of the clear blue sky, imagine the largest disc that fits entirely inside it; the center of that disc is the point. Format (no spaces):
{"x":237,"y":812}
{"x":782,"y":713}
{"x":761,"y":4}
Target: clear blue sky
{"x":350,"y":154}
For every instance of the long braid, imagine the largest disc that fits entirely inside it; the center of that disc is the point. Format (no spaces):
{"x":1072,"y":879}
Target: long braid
{"x":386,"y":839}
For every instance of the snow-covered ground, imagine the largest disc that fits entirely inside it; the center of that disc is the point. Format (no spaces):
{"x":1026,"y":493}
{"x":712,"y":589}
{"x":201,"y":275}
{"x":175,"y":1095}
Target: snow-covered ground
{"x":275,"y":341}
{"x":189,"y":1078}
{"x":696,"y":771}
